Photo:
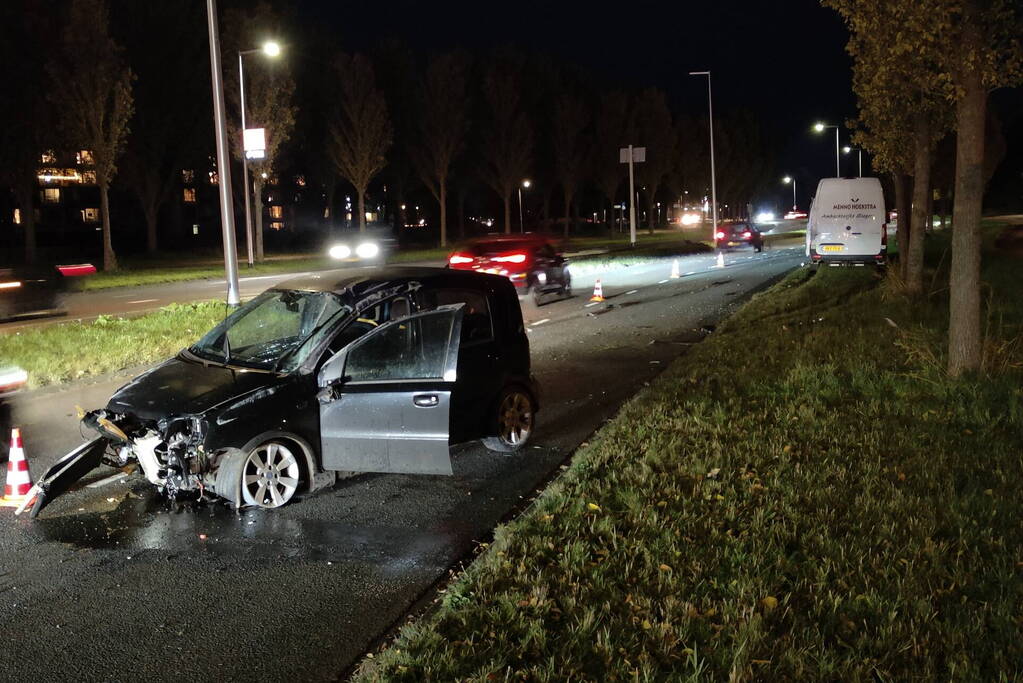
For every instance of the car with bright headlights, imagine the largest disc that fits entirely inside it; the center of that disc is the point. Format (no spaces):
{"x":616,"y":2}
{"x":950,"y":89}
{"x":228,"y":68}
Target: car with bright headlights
{"x":12,"y":380}
{"x":369,"y":247}
{"x":374,"y":371}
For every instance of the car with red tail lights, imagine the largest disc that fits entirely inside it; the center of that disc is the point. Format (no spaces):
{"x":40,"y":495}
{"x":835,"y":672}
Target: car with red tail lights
{"x":531,"y":262}
{"x":739,"y":234}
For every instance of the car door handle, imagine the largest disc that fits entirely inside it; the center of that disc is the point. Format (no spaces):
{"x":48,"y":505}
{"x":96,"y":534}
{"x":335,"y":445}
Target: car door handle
{"x":426,"y":400}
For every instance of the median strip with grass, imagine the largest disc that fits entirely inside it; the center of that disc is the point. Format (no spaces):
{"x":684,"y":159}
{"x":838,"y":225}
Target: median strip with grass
{"x":69,"y":351}
{"x":804,"y":496}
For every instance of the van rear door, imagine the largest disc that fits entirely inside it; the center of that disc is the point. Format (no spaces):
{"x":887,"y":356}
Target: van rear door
{"x":847,"y":219}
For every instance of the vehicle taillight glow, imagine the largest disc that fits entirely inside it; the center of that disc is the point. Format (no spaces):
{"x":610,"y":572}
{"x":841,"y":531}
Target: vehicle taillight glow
{"x":510,"y":258}
{"x":747,"y":235}
{"x":12,"y":378}
{"x":459,"y":258}
{"x":77,"y":269}
{"x":719,"y":235}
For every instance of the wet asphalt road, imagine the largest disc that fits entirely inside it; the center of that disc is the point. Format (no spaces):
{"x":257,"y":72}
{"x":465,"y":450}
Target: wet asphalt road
{"x":111,"y":584}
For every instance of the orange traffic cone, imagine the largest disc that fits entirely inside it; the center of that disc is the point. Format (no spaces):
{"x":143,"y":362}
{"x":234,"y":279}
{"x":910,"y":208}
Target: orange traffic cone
{"x":674,"y":270}
{"x":19,"y":481}
{"x":598,"y":292}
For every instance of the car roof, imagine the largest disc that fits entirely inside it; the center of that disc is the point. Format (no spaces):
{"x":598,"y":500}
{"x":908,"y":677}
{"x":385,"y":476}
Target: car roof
{"x":362,"y":281}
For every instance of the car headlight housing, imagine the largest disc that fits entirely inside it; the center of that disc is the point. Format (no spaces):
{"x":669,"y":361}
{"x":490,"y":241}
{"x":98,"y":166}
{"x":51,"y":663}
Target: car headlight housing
{"x":340,"y":251}
{"x":367,"y":250}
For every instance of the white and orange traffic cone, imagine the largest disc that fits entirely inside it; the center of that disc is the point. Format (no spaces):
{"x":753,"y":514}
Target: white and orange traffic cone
{"x":674,"y":270}
{"x":19,"y":480}
{"x":598,"y":291}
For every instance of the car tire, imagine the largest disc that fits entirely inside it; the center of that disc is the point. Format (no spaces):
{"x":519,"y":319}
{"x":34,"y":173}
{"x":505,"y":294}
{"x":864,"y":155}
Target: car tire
{"x":566,"y":288}
{"x":513,"y":421}
{"x":537,"y":296}
{"x":271,"y":475}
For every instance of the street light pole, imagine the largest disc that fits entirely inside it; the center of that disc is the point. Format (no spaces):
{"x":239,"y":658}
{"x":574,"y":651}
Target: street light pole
{"x":223,"y":159}
{"x":790,"y":179}
{"x":820,"y":128}
{"x":713,"y":178}
{"x":245,"y":161}
{"x":522,"y":227}
{"x":859,"y":157}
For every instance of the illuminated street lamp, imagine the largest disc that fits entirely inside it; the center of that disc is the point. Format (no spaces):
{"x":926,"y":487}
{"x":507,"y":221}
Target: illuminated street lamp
{"x":270,"y":49}
{"x":859,"y":154}
{"x":789,"y":179}
{"x":820,"y":127}
{"x":525,"y":183}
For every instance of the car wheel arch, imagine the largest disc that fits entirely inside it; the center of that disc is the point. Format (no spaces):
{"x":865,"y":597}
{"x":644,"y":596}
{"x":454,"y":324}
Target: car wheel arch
{"x":308,"y":459}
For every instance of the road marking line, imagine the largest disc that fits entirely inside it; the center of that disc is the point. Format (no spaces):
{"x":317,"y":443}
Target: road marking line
{"x":143,"y":301}
{"x":541,"y":322}
{"x":109,"y":480}
{"x":691,"y":272}
{"x":594,"y":303}
{"x":632,"y":291}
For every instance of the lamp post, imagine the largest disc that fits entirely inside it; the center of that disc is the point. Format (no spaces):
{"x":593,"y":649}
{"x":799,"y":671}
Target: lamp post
{"x":223,"y":159}
{"x":859,"y":155}
{"x":789,"y":179}
{"x":270,"y":49}
{"x":525,"y":184}
{"x":713,"y":180}
{"x":820,"y":127}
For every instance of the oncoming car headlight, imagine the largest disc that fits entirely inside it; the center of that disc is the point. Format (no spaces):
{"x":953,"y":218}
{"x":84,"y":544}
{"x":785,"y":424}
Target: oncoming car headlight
{"x":367,"y":250}
{"x":339,"y":251}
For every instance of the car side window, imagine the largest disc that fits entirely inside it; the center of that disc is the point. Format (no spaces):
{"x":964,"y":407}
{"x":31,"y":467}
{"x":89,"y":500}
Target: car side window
{"x":410,"y":350}
{"x":369,"y":320}
{"x":477,"y":323}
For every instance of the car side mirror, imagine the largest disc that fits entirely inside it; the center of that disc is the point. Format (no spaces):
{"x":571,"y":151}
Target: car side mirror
{"x":332,"y":371}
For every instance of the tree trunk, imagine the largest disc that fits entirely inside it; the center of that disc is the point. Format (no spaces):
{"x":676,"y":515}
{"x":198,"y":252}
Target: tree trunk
{"x":507,"y":214}
{"x":442,"y":186}
{"x":361,"y":191}
{"x":257,"y":231}
{"x":921,"y":200}
{"x":26,"y":202}
{"x":109,"y":257}
{"x":964,"y":338}
{"x":461,"y":213}
{"x":650,"y":215}
{"x":151,"y":212}
{"x":568,"y":212}
{"x":901,"y":181}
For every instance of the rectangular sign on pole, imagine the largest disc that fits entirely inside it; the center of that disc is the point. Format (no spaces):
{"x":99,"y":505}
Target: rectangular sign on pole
{"x":254,"y":143}
{"x":638,"y":155}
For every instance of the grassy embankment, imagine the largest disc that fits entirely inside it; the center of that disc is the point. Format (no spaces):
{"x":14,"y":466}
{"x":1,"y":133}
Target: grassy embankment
{"x":804,"y":496}
{"x":74,"y":350}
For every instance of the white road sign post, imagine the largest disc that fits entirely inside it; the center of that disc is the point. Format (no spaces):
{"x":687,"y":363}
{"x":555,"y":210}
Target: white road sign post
{"x":630,"y":155}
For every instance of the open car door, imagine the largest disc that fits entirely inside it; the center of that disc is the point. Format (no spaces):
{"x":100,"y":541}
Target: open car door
{"x":385,"y":399}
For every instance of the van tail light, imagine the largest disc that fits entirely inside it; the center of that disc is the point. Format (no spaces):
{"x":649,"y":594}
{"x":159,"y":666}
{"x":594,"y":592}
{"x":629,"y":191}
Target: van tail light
{"x":510,"y":258}
{"x":746,"y":235}
{"x":720,"y":235}
{"x":457,"y":259}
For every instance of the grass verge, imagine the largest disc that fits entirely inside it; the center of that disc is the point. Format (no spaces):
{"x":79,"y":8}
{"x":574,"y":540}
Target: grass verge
{"x":143,"y":273}
{"x":804,"y":496}
{"x":74,"y":350}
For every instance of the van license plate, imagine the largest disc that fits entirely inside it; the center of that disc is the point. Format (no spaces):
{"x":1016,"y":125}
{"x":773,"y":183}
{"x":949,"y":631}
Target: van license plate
{"x":831,"y":248}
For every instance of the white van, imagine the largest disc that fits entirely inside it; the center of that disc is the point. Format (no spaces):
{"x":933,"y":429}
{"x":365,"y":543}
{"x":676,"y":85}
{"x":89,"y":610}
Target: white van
{"x":847,"y":222}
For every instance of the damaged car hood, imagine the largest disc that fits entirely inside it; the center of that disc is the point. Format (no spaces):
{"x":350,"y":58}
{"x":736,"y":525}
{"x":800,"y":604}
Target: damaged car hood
{"x":180,"y":386}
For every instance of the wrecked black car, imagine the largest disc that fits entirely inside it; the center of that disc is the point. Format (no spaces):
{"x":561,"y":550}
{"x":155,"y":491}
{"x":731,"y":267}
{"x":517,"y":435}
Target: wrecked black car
{"x":376,"y":372}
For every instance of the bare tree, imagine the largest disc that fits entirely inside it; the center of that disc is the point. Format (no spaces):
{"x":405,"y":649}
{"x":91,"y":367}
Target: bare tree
{"x":611,"y":131}
{"x":269,"y":92}
{"x":362,"y":131}
{"x":165,"y":41}
{"x":444,"y":122}
{"x":508,"y":136}
{"x":91,"y":86}
{"x":652,"y":123}
{"x":571,"y":119}
{"x":22,"y":127}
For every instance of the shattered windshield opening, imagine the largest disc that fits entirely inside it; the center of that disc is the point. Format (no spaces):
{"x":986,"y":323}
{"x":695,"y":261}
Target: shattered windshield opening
{"x":267,"y":329}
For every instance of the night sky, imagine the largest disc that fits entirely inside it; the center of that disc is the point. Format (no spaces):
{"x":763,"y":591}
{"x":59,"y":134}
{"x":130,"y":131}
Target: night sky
{"x":785,"y":61}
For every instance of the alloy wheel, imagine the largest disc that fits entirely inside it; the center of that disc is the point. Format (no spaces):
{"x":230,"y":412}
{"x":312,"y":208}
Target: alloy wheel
{"x":270,"y":477}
